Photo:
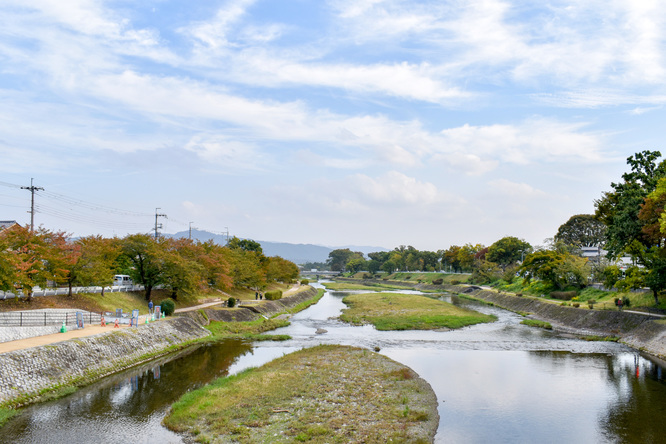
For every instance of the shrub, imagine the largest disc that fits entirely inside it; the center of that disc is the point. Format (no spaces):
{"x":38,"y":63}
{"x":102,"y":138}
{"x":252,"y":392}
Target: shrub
{"x":626,"y":302}
{"x":367,"y":276}
{"x":520,"y":295}
{"x":455,"y":281}
{"x":305,"y":282}
{"x":591,"y":303}
{"x":273,"y":295}
{"x":563,"y":295}
{"x":438,"y":281}
{"x":576,"y":304}
{"x":231,"y":302}
{"x":167,"y":306}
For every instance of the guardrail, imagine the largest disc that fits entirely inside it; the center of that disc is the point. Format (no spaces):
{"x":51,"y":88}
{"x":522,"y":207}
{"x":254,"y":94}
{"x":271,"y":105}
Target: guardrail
{"x":44,"y":318}
{"x":76,"y":290}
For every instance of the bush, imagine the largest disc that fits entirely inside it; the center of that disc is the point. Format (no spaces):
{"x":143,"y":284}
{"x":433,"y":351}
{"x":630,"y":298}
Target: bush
{"x":455,"y":281}
{"x":305,"y":282}
{"x":626,"y":302}
{"x":273,"y":295}
{"x":563,"y":295}
{"x":591,"y":303}
{"x":438,"y":281}
{"x":576,"y":304}
{"x":231,"y":302}
{"x":167,"y":306}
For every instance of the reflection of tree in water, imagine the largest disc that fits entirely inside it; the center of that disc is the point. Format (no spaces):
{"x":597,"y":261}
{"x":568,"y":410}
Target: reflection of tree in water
{"x":139,"y":392}
{"x":637,"y":402}
{"x":637,"y":416}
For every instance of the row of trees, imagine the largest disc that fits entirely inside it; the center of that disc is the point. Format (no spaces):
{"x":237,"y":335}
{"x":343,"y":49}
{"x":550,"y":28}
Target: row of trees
{"x":29,"y":259}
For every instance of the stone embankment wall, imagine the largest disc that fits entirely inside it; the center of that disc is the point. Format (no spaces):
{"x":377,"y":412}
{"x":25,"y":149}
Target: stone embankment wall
{"x":636,"y":330}
{"x":26,"y":374}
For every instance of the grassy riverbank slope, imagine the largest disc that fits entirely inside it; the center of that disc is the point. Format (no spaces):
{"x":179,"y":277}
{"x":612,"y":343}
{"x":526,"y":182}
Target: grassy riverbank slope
{"x":325,"y":394}
{"x":96,"y":303}
{"x":392,"y":311}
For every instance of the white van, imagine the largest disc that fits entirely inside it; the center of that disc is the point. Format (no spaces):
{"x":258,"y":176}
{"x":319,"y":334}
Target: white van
{"x":121,"y":280}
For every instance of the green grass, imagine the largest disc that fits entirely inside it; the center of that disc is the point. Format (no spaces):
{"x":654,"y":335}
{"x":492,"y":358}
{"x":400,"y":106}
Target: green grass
{"x":248,"y":330}
{"x":537,"y":323}
{"x":600,"y":338}
{"x":324,"y":394}
{"x":391,"y":311}
{"x":6,"y":415}
{"x":341,"y":286}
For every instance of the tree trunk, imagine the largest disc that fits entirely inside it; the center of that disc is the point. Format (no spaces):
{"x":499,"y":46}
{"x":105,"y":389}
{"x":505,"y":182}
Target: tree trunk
{"x":149,"y":288}
{"x":656,"y":296}
{"x":69,"y":285}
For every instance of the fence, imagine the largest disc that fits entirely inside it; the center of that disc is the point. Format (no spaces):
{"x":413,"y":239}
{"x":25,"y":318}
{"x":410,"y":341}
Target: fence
{"x":76,"y":290}
{"x":44,"y":318}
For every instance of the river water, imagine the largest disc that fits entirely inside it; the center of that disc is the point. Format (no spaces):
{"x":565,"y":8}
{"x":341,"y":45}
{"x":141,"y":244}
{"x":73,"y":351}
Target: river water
{"x":496,"y":383}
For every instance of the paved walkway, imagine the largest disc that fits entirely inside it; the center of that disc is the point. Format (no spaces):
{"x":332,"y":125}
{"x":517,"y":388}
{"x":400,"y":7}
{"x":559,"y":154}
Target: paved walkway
{"x":89,"y":330}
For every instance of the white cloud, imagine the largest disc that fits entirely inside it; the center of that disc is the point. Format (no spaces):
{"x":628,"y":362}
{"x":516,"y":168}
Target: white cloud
{"x":230,"y":155}
{"x":511,"y":189}
{"x":214,"y":34}
{"x":394,"y":188}
{"x":533,"y":140}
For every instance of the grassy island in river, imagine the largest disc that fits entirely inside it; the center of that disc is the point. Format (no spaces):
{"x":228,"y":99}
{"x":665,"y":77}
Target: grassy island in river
{"x":324,"y":394}
{"x":392,"y":311}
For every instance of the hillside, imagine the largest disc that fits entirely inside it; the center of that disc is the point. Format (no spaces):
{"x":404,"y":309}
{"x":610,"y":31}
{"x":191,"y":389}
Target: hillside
{"x":297,"y":253}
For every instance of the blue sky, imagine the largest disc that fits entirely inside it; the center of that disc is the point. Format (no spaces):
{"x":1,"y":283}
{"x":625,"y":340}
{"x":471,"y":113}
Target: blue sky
{"x":335,"y":122}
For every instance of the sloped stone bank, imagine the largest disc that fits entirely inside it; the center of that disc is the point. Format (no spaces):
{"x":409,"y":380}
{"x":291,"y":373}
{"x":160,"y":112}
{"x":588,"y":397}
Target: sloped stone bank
{"x":28,"y":373}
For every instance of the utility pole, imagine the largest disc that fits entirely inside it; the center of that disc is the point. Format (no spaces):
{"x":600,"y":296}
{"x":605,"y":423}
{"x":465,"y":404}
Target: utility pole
{"x":191,"y":230}
{"x":32,"y":190}
{"x":158,"y":226}
{"x":227,"y":228}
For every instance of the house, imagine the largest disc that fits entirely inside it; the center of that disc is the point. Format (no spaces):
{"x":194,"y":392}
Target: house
{"x":7,"y":225}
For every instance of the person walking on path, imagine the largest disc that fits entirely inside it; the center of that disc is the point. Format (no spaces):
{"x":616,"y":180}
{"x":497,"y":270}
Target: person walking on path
{"x":150,"y":306}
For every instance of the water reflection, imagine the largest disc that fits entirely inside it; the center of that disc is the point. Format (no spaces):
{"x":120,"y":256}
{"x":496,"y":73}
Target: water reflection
{"x":128,"y":407}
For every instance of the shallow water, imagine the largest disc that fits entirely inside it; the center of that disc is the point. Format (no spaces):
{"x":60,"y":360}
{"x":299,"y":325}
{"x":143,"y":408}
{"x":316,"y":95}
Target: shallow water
{"x":499,"y":382}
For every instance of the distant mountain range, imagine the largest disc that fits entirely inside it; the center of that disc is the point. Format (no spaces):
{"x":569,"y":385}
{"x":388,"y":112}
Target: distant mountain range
{"x":297,"y":253}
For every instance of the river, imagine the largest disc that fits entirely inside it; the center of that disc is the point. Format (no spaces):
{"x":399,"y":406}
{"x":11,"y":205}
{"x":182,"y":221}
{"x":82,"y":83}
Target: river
{"x":496,"y":383}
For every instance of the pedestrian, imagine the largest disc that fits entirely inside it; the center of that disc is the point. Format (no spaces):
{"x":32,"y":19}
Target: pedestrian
{"x":261,"y":296}
{"x":150,"y":306}
{"x":619,"y":304}
{"x":256,"y":295}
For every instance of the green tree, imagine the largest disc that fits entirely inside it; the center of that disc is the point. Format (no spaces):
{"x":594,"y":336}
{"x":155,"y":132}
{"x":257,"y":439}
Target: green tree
{"x":557,"y":268}
{"x":582,"y":230}
{"x":245,"y":245}
{"x":507,"y":251}
{"x":146,"y":257}
{"x":633,"y":212}
{"x":338,"y":259}
{"x":356,"y":264}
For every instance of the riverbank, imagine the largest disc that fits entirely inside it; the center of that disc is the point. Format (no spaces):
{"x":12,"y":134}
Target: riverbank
{"x":639,"y":331}
{"x":323,"y":394}
{"x":40,"y":373}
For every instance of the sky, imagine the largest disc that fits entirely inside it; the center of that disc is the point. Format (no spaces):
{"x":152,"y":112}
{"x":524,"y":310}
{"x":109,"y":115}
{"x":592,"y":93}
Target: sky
{"x":332,"y":122}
